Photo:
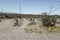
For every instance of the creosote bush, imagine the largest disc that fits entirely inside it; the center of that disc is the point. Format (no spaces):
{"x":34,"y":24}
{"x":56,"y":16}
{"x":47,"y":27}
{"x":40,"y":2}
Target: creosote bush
{"x":48,"y":21}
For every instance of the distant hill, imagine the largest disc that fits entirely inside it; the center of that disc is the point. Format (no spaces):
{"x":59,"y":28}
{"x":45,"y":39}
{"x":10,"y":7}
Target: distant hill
{"x":22,"y":15}
{"x":18,"y":15}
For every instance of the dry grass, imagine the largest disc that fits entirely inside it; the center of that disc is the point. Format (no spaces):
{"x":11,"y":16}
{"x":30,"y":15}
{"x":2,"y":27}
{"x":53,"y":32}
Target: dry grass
{"x":32,"y":30}
{"x":55,"y":29}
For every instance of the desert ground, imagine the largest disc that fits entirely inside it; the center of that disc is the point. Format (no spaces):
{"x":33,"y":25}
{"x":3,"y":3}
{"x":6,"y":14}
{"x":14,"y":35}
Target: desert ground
{"x":10,"y":32}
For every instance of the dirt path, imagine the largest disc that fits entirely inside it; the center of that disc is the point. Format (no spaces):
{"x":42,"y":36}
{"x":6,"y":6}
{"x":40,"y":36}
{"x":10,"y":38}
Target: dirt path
{"x":25,"y":24}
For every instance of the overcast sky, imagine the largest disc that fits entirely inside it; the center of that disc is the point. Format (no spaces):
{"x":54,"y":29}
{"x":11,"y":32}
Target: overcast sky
{"x":29,"y":6}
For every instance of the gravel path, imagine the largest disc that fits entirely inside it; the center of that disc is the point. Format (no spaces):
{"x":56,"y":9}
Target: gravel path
{"x":9,"y":32}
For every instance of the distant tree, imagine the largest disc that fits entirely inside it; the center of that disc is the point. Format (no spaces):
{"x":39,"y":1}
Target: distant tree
{"x":44,"y":13}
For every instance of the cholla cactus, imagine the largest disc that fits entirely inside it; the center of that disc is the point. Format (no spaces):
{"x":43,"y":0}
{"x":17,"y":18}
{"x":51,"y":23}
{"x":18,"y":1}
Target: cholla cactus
{"x":32,"y":21}
{"x":0,"y":18}
{"x":16,"y":22}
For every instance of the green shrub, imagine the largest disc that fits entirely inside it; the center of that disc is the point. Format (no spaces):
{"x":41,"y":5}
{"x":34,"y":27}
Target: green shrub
{"x":48,"y":21}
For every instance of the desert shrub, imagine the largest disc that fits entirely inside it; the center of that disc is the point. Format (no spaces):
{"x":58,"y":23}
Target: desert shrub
{"x":48,"y":21}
